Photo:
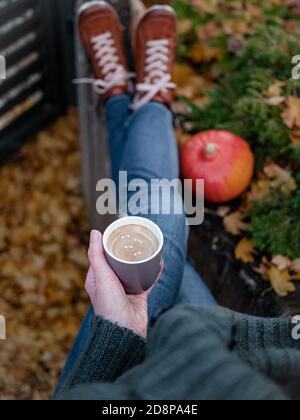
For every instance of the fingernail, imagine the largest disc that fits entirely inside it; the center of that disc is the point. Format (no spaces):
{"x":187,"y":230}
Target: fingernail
{"x":94,"y":235}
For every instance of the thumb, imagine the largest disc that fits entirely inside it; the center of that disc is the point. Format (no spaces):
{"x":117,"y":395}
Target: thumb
{"x":90,"y":283}
{"x":96,"y":256}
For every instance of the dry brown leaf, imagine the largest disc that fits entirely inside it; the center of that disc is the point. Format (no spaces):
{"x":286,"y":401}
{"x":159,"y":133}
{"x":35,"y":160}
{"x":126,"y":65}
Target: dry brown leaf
{"x":204,"y":6}
{"x":194,"y":88}
{"x":182,"y":73}
{"x":281,"y":262}
{"x":259,"y":190}
{"x":185,"y":26}
{"x":245,"y":251}
{"x":275,"y":100}
{"x":291,"y":115}
{"x":278,"y":175}
{"x":289,"y":187}
{"x":202,"y":53}
{"x":275,"y":89}
{"x":295,"y":136}
{"x":296,"y":265}
{"x":208,"y":31}
{"x":234,"y":223}
{"x":263,"y":269}
{"x":241,"y":27}
{"x":43,"y":262}
{"x":281,"y":282}
{"x":222,"y":211}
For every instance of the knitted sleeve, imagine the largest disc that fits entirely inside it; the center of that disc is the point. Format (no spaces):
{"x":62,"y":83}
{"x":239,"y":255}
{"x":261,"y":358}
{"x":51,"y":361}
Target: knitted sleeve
{"x":109,"y":352}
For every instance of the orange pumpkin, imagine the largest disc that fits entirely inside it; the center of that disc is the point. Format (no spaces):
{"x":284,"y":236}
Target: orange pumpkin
{"x":223,"y":160}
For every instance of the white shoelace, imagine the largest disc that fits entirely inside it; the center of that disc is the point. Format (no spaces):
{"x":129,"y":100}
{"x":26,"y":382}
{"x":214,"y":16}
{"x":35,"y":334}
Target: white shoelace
{"x":158,"y":79}
{"x":114,"y":73}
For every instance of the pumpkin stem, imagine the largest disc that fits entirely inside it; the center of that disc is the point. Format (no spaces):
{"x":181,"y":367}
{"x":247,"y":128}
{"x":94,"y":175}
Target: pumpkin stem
{"x":210,"y":149}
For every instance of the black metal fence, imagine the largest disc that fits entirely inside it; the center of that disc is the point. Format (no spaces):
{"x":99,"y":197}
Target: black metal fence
{"x":36,"y":41}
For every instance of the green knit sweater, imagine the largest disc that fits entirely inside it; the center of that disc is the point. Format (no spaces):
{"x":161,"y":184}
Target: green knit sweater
{"x":192,"y":353}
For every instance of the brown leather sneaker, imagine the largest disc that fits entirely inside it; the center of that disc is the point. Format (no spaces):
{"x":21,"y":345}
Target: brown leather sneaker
{"x":101,"y":33}
{"x":155,"y":52}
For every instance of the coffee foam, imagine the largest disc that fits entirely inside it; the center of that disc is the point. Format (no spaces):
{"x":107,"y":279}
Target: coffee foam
{"x":132,"y":243}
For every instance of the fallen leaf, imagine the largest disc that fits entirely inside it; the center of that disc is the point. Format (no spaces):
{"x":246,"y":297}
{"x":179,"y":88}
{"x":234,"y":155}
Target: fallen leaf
{"x":277,"y":175}
{"x":202,"y":53}
{"x":234,"y":224}
{"x":208,"y":31}
{"x":245,"y":251}
{"x":275,"y":100}
{"x":222,"y":211}
{"x":182,"y":73}
{"x":281,"y":282}
{"x":263,"y":269}
{"x":196,"y":87}
{"x":275,"y":89}
{"x":288,"y":187}
{"x":185,"y":26}
{"x":281,"y":262}
{"x":296,"y":265}
{"x":43,"y":259}
{"x":291,"y":115}
{"x":259,"y":190}
{"x":204,"y":6}
{"x":295,"y":136}
{"x":241,"y":27}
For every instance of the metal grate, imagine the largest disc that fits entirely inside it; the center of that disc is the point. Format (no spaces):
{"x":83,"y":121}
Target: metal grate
{"x":32,"y":93}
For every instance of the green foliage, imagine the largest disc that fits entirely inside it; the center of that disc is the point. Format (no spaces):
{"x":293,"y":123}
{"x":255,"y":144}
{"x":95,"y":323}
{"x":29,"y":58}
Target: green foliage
{"x":275,"y":226}
{"x":238,"y":104}
{"x":187,"y":11}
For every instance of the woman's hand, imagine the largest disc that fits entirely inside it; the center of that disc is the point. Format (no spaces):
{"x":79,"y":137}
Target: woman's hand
{"x":108,"y":296}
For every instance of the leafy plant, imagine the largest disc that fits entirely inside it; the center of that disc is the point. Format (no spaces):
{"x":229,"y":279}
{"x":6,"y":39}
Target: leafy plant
{"x":240,"y":102}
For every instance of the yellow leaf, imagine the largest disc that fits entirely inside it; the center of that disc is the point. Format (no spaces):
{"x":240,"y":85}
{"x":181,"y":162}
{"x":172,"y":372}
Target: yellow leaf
{"x":193,"y":87}
{"x":234,"y":224}
{"x":281,"y":281}
{"x":245,"y":251}
{"x":185,"y":26}
{"x":201,"y":52}
{"x":182,"y":73}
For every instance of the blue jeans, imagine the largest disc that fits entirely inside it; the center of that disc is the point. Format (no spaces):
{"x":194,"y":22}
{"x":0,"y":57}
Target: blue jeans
{"x":143,"y":144}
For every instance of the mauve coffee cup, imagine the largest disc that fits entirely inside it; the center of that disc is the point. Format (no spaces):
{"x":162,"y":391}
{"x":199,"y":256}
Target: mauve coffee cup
{"x":136,"y":277}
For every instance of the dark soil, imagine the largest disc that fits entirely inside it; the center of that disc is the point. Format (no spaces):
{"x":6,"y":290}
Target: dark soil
{"x":234,"y":284}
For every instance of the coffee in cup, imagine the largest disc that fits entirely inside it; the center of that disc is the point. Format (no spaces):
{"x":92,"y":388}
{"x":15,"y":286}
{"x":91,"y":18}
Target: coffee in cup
{"x":132,"y":243}
{"x":133,"y":247}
